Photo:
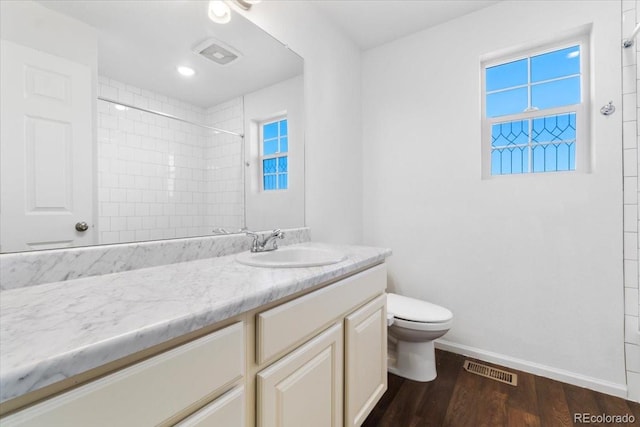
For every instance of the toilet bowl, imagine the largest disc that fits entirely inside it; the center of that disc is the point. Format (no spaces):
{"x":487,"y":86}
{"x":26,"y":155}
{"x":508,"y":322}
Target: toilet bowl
{"x":414,"y":324}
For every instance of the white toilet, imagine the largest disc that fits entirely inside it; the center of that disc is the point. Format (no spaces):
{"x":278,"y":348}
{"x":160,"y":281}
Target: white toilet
{"x":414,"y":324}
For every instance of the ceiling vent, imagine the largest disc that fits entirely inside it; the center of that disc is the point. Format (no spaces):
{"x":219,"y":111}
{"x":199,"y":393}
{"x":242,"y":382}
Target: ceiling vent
{"x":217,"y":51}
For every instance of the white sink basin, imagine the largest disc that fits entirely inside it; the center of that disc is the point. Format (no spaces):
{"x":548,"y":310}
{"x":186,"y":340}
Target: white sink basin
{"x":291,"y":256}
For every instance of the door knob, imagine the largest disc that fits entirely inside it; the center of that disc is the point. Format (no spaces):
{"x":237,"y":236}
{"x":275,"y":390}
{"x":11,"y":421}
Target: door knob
{"x":82,"y":226}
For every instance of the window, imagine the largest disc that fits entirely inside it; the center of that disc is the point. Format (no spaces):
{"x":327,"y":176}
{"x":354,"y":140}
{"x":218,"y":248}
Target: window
{"x":275,"y":146}
{"x":534,"y":111}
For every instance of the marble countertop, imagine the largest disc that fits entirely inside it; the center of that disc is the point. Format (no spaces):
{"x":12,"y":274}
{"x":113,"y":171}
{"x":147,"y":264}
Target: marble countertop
{"x":53,"y":331}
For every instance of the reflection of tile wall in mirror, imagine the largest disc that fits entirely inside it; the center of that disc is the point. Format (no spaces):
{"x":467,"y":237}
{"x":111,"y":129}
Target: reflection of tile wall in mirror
{"x":159,"y":178}
{"x":223,"y":168}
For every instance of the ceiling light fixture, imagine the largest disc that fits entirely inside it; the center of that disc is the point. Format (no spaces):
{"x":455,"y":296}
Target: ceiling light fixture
{"x":219,"y":12}
{"x":186,"y":71}
{"x":246,"y":4}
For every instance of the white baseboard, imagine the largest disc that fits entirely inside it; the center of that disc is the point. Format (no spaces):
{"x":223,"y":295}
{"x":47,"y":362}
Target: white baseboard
{"x":614,"y":389}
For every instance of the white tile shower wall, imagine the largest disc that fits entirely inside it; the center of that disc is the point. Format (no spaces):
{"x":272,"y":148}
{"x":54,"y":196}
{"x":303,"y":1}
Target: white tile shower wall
{"x":151,"y":179}
{"x":631,"y":113}
{"x":224,"y":201}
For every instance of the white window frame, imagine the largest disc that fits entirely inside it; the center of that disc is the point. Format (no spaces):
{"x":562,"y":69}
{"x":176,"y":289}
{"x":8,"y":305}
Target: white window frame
{"x":582,"y":110}
{"x":263,"y":157}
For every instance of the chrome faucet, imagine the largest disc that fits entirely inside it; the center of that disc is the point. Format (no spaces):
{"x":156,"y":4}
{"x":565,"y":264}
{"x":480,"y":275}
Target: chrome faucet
{"x":263,"y":246}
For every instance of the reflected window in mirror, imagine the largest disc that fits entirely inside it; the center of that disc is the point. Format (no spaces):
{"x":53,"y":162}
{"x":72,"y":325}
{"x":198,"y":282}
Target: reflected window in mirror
{"x":275,"y":148}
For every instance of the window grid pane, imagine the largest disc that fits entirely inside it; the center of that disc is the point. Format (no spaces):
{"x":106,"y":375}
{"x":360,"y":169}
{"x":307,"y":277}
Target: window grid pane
{"x":506,"y":102}
{"x":269,"y":166}
{"x":507,"y":75}
{"x":556,"y":93}
{"x":270,"y":147}
{"x":552,"y":65}
{"x":270,"y":182}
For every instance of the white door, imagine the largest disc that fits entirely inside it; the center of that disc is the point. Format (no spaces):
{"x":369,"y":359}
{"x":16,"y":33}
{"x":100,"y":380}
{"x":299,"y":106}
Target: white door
{"x":46,"y":141}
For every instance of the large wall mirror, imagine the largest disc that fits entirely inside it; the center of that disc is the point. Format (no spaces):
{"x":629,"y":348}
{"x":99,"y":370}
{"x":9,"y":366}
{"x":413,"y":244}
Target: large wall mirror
{"x":106,"y":139}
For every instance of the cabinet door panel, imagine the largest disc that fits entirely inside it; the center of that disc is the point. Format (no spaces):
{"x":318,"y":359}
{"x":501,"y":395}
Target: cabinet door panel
{"x":365,"y":360}
{"x":305,"y":387}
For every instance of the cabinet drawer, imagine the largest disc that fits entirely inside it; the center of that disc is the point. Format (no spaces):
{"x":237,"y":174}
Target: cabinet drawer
{"x":148,"y":392}
{"x":227,"y":410}
{"x":290,"y":324}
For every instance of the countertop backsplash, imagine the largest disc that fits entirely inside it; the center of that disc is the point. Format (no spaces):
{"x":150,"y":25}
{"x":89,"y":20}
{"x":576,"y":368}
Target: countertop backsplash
{"x":24,"y":269}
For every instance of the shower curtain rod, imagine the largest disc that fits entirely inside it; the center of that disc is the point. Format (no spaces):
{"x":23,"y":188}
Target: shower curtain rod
{"x":628,"y":42}
{"x":170,"y":116}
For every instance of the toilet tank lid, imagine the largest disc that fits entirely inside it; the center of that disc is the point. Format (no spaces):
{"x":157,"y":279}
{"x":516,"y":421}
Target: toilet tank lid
{"x":416,"y":310}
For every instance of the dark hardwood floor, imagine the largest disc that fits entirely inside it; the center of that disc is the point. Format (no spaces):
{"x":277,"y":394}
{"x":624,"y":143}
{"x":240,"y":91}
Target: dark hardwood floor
{"x":458,"y":398}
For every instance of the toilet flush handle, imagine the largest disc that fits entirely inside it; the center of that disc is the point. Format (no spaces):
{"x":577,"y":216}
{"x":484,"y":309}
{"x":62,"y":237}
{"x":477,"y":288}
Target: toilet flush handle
{"x":390,"y":319}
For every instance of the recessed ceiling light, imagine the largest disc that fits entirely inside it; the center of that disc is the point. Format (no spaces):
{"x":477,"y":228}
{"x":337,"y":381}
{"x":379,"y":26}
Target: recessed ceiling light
{"x":120,"y":107}
{"x":219,"y":12}
{"x":186,"y":71}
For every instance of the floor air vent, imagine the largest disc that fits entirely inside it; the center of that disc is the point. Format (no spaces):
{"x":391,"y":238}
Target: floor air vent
{"x":489,"y":372}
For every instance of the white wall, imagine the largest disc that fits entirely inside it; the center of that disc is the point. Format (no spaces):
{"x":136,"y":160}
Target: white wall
{"x":275,"y":209}
{"x":332,"y":90}
{"x":531,"y":266}
{"x":31,"y":24}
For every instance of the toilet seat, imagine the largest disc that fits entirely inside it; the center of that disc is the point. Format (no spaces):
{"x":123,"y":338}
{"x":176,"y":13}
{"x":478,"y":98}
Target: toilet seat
{"x":418,"y":315}
{"x":422,"y":326}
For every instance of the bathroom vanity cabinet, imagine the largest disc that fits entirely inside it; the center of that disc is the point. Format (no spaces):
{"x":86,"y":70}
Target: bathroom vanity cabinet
{"x":317,"y":358}
{"x":335,"y":340}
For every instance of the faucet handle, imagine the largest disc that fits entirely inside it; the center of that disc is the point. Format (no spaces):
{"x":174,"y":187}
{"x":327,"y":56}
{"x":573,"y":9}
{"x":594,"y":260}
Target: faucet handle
{"x":255,"y":244}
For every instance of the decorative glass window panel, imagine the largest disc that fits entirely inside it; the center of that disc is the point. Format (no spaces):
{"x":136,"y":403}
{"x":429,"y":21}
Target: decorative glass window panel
{"x":534,"y":110}
{"x":544,"y":144}
{"x":275,"y":148}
